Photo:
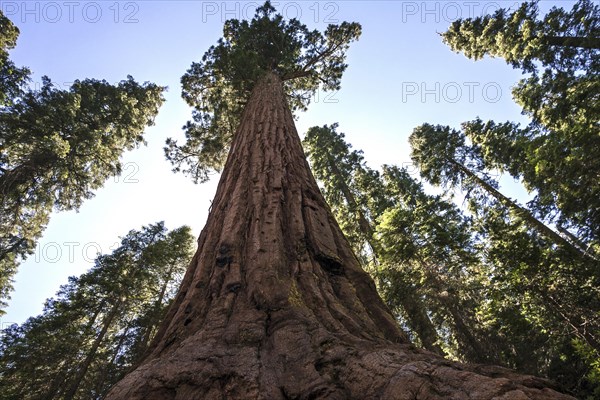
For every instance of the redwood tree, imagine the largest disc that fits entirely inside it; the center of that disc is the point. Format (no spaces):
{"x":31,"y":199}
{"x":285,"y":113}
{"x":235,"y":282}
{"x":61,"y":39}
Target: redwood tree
{"x":274,"y":304}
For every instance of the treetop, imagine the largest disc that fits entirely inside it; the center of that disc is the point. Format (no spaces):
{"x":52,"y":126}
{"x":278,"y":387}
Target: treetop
{"x":219,"y":85}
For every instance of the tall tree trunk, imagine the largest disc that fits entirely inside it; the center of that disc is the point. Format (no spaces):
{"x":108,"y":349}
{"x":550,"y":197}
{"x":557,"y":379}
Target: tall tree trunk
{"x":467,"y":340}
{"x":65,"y":371}
{"x":160,"y":313}
{"x":100,"y":381}
{"x":418,"y":319}
{"x":526,"y":215}
{"x":576,"y":322}
{"x":274,"y":304}
{"x":450,"y":303}
{"x":83,"y":368}
{"x":363,"y":223}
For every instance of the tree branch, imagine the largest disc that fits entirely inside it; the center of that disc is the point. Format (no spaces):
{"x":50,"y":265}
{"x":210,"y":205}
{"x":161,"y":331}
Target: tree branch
{"x":312,"y":61}
{"x":295,"y":75}
{"x":572,"y":41}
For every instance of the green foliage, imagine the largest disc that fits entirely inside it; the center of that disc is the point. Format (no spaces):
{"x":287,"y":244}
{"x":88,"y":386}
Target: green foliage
{"x":565,"y":41}
{"x":220,"y":84}
{"x":543,"y":299}
{"x":540,"y":260}
{"x":591,"y":368}
{"x":58,"y":146}
{"x":557,"y":155}
{"x":12,"y":77}
{"x":99,"y":324}
{"x":551,"y":271}
{"x":429,"y":240}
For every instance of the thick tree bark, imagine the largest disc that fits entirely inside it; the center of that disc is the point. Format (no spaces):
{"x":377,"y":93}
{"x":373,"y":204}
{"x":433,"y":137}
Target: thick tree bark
{"x":274,"y":304}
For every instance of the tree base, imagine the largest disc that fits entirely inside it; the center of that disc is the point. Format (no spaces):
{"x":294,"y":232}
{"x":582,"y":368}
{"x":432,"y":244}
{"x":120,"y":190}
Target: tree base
{"x":298,"y":361}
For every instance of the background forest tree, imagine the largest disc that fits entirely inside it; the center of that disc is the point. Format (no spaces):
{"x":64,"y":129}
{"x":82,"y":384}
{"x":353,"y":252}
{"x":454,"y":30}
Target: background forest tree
{"x":544,"y":253}
{"x":57,"y":146}
{"x":459,"y":281}
{"x":100,"y":323}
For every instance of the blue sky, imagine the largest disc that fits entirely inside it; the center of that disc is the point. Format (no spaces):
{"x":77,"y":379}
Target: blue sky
{"x":400,"y":75}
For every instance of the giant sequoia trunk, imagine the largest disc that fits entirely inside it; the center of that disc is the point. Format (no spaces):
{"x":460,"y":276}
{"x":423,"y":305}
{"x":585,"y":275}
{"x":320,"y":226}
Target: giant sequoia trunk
{"x":274,"y":304}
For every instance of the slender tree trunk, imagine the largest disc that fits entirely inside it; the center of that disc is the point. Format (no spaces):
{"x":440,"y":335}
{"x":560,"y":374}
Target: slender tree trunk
{"x":573,"y":244}
{"x":451,"y":304}
{"x":525,"y":214}
{"x":56,"y":382}
{"x":68,"y":362}
{"x":574,"y":321}
{"x":274,"y":304}
{"x":585,"y":247}
{"x":363,"y":223}
{"x":419,"y":321}
{"x":92,"y":352}
{"x":157,"y":306}
{"x":100,"y":382}
{"x":476,"y":352}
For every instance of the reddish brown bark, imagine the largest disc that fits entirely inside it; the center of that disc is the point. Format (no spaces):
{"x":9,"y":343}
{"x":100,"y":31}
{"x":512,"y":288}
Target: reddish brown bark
{"x":274,"y":304}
